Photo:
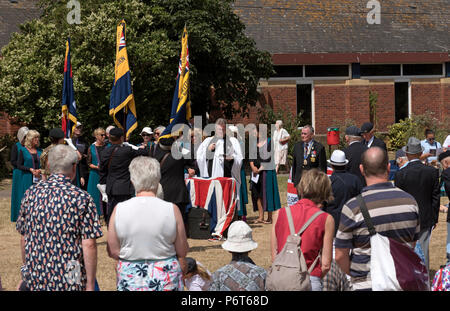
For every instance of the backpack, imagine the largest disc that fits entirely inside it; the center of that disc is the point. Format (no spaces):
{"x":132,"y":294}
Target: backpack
{"x":288,"y":271}
{"x":441,"y":281}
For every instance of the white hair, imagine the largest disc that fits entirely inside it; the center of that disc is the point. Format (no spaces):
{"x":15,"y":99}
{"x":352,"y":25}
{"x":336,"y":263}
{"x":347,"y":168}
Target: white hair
{"x":279,"y":122}
{"x":109,"y":128}
{"x":160,"y":129}
{"x":145,"y":174}
{"x":61,"y":159}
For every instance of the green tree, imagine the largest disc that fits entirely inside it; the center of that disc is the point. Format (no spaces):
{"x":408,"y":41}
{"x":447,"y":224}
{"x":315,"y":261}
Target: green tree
{"x":221,"y":56}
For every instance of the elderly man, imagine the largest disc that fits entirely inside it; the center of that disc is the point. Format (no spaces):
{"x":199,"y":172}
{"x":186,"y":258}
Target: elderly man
{"x":59,"y":226}
{"x":370,"y":140}
{"x":422,"y":182}
{"x":308,"y":154}
{"x":354,"y":151}
{"x":395,"y":214}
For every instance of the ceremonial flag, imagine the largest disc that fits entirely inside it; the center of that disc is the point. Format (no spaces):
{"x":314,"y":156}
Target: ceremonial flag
{"x":121,"y":104}
{"x":69,"y":108}
{"x":181,"y":104}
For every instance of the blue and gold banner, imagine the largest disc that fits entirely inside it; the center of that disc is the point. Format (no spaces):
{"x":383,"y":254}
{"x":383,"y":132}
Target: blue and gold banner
{"x":121,"y":104}
{"x":68,"y":106}
{"x":181,"y":104}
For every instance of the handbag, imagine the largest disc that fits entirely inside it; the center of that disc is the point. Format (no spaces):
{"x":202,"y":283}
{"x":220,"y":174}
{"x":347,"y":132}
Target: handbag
{"x":394,"y":266}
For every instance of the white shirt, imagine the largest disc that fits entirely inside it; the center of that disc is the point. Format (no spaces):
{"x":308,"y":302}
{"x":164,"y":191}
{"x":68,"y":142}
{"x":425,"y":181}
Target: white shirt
{"x":146,"y":228}
{"x":277,"y":136}
{"x":369,"y":143}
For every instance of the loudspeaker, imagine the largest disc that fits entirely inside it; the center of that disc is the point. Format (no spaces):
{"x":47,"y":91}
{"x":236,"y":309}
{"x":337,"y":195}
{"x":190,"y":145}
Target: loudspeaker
{"x":198,"y":224}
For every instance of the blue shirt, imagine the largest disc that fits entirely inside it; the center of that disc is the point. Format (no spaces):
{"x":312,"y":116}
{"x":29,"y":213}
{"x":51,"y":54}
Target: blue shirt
{"x":427,"y":147}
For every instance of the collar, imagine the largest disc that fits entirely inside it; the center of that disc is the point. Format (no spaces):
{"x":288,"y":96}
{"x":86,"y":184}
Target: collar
{"x":370,"y":141}
{"x":61,"y":178}
{"x":379,"y":186}
{"x":414,"y":160}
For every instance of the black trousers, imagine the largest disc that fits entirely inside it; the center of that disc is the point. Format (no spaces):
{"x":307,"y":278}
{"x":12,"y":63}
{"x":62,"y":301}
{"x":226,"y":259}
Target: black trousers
{"x":113,"y":200}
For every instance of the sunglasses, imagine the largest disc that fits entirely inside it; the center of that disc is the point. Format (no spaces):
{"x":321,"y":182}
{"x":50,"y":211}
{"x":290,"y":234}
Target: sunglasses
{"x":103,"y":135}
{"x":431,"y":138}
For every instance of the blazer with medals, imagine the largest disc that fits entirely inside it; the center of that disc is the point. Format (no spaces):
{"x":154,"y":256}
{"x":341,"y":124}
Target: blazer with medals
{"x":317,"y":158}
{"x":422,"y":182}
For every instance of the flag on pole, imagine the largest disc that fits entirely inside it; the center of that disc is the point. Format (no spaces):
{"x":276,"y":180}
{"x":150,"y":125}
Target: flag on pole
{"x":68,"y":106}
{"x":121,"y":104}
{"x":181,"y":104}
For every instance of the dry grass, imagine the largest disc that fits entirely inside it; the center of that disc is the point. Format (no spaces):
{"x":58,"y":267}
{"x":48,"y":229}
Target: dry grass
{"x":209,"y":253}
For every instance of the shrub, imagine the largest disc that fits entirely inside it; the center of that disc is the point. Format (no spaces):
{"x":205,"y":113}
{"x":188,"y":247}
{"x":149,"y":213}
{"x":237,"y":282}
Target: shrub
{"x":400,"y":132}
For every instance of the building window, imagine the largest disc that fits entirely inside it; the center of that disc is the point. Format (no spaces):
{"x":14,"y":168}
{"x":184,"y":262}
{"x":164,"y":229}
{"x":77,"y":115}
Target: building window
{"x":288,"y":71}
{"x":380,"y":70}
{"x":304,"y":102}
{"x":401,"y":101}
{"x":422,"y":70}
{"x":327,"y":71}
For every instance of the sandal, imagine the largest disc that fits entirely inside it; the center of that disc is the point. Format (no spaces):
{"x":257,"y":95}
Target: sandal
{"x":267,"y":222}
{"x":257,"y":221}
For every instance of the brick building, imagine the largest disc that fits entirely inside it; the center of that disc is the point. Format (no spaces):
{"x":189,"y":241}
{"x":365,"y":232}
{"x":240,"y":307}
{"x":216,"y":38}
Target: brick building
{"x":12,"y":14}
{"x":328,"y":58}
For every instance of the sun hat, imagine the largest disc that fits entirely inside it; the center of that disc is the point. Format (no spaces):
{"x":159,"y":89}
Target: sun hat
{"x":414,"y":146}
{"x":147,"y":130}
{"x":239,"y":238}
{"x":338,"y":158}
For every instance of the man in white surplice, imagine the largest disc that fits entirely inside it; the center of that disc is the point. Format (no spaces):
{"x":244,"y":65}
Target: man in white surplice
{"x":214,"y":162}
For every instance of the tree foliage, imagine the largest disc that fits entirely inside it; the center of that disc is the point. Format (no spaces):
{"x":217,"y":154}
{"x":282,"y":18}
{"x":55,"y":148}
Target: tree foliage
{"x":221,"y":56}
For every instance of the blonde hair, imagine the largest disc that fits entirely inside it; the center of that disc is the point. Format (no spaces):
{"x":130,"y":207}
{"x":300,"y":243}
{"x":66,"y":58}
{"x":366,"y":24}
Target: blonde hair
{"x":99,"y":130}
{"x":315,"y":186}
{"x":32,"y":134}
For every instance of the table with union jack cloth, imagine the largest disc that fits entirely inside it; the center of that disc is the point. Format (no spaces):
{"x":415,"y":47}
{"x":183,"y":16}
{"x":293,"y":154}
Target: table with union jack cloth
{"x":219,"y":196}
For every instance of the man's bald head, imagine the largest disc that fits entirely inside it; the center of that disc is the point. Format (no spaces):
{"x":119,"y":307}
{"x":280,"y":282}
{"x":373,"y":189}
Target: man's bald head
{"x":375,"y":162}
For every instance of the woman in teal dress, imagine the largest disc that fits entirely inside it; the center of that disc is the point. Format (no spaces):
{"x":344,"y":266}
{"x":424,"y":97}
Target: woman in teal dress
{"x":265,"y":193}
{"x":29,"y":165}
{"x":17,"y":174}
{"x":93,"y":159}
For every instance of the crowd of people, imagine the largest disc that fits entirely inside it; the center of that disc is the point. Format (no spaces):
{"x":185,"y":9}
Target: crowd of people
{"x":60,"y":194}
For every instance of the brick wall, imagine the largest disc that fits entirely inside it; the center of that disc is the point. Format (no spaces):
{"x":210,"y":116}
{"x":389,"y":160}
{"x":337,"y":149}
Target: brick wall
{"x":336,"y":101}
{"x":6,"y":125}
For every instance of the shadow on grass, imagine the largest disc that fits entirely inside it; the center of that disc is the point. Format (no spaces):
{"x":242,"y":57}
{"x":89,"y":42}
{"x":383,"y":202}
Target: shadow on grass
{"x":214,"y":245}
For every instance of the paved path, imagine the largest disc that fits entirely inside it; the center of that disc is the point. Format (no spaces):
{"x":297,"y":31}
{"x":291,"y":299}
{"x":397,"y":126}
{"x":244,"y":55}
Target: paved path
{"x":5,"y":189}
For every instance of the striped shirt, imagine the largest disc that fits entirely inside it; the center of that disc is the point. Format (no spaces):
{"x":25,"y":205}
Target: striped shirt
{"x":394,"y":214}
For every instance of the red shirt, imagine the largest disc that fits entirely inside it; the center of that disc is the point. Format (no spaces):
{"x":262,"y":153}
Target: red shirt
{"x":312,"y":237}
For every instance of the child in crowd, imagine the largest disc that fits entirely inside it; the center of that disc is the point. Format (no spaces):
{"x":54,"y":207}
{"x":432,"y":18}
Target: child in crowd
{"x":198,"y":278}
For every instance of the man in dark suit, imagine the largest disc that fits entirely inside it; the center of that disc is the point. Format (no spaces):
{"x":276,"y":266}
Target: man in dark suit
{"x":367,"y":132}
{"x":344,"y":185}
{"x":422,"y":182}
{"x":172,"y":174}
{"x":114,"y":163}
{"x":308,"y":154}
{"x":354,"y":151}
{"x":82,"y":146}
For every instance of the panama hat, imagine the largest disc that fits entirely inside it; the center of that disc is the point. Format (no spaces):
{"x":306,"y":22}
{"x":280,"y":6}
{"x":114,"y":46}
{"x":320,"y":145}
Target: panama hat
{"x":338,"y":158}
